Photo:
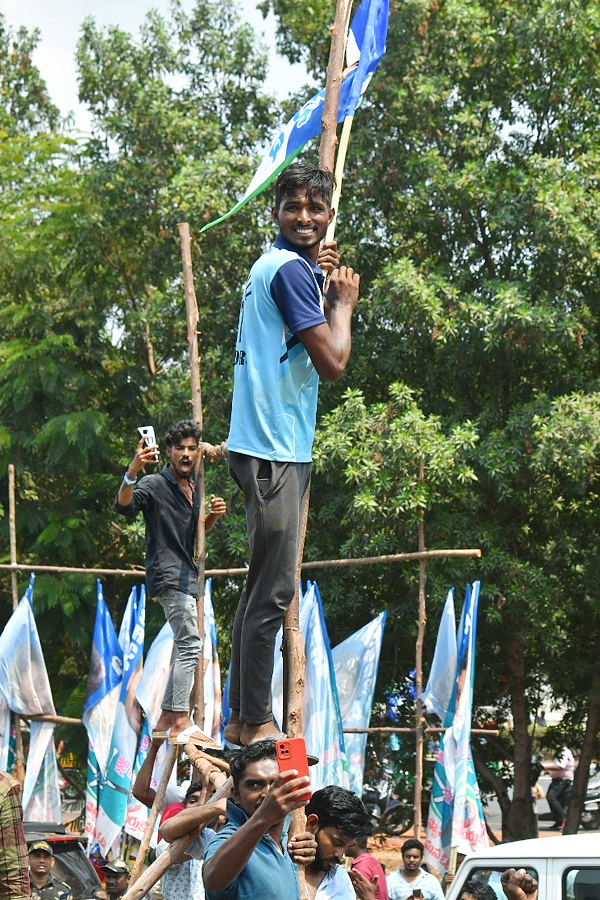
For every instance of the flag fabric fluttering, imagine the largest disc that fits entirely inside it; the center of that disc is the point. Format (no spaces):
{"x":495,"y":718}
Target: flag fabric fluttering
{"x":212,"y":674}
{"x":323,"y":731}
{"x":25,"y":688}
{"x":356,"y":661}
{"x":455,"y":812}
{"x":442,"y":675}
{"x":149,"y":693}
{"x":368,"y":31}
{"x":100,"y":708}
{"x":114,"y":791}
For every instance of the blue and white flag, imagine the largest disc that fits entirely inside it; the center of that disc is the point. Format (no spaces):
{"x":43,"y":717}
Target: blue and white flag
{"x":25,"y":689}
{"x":442,"y":675}
{"x":356,"y":661}
{"x":104,"y":682}
{"x":212,"y":674}
{"x":455,"y":811}
{"x":366,"y":41}
{"x":149,"y":694}
{"x":323,"y":730}
{"x":119,"y":770}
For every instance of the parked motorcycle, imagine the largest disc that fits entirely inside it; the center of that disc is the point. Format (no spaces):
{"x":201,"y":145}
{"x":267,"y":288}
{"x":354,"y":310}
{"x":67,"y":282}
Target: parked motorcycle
{"x":389,"y":814}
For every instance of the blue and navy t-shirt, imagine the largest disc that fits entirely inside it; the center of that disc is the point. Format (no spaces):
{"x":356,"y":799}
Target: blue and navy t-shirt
{"x":275,"y":384}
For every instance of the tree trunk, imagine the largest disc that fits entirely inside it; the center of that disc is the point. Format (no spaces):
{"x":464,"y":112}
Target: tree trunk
{"x":520,"y":821}
{"x":587,"y":752}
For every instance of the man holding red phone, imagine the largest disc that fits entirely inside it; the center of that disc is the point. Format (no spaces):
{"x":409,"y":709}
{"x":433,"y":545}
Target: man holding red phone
{"x":251,"y":857}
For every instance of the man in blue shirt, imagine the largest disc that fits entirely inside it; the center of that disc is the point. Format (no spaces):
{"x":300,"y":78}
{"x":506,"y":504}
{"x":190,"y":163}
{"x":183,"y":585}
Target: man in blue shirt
{"x":284,"y":343}
{"x":250,"y":857}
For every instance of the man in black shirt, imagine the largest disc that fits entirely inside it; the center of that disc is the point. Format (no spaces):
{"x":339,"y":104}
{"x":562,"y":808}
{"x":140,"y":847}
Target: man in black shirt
{"x":170,"y":508}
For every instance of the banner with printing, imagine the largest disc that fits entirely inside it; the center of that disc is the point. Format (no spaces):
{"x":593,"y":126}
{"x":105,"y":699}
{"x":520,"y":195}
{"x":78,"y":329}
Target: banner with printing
{"x":356,"y":661}
{"x":455,"y":812}
{"x":115,"y":789}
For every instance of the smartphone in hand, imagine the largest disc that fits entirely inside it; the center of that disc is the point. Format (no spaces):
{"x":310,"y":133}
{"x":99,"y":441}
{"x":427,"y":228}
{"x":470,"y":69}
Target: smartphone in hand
{"x":291,"y":754}
{"x":147,"y":432}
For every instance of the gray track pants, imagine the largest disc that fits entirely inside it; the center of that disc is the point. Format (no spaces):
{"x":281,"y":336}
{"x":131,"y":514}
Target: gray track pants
{"x":273,"y":495}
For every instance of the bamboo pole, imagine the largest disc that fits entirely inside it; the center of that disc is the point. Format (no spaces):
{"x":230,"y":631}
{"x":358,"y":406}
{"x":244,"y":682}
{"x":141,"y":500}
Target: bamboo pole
{"x":339,"y":174}
{"x":333,"y":84}
{"x":419,"y":740}
{"x":191,"y":307}
{"x":216,"y":573}
{"x":173,"y":855}
{"x":156,"y":807}
{"x":427,"y":729}
{"x":294,"y":665}
{"x":12,"y":530}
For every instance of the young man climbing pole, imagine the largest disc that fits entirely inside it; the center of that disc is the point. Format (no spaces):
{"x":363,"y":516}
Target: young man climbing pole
{"x":284,"y":343}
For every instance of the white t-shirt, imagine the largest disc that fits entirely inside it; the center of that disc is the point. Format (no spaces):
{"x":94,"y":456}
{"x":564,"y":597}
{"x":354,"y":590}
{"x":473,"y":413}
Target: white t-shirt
{"x":336,"y":885}
{"x":399,"y":888}
{"x":184,"y":880}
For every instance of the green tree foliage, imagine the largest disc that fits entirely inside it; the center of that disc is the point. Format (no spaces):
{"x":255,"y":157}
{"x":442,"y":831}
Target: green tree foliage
{"x":470,"y":208}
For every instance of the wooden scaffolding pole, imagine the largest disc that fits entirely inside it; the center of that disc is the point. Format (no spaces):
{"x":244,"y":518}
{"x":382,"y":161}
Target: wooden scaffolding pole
{"x":293,"y":659}
{"x":191,"y":307}
{"x":419,"y":667}
{"x":12,"y":528}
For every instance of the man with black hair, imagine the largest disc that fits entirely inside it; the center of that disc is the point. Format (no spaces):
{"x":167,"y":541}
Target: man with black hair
{"x":366,"y":871}
{"x":402,"y":882}
{"x":336,"y":817}
{"x":284,"y":343}
{"x":478,"y":890}
{"x":170,"y":508}
{"x":250,"y":858}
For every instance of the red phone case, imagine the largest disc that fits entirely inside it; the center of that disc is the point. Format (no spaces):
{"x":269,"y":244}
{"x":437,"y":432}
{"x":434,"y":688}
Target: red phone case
{"x":291,"y":754}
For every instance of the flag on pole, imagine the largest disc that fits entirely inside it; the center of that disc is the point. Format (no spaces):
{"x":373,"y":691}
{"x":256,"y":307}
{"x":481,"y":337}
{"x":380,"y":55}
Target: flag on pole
{"x":455,"y":812}
{"x":323,"y":730}
{"x":100,"y":708}
{"x":212,"y":674}
{"x":440,"y":683}
{"x":149,"y":694}
{"x":367,"y":37}
{"x":356,"y":661}
{"x":25,"y":689}
{"x":114,"y":792}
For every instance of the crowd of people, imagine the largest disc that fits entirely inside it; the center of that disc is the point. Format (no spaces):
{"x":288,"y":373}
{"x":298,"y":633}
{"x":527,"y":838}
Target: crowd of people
{"x":249,"y":855}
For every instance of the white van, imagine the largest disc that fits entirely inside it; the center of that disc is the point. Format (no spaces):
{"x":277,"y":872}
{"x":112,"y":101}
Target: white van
{"x":566,"y":868}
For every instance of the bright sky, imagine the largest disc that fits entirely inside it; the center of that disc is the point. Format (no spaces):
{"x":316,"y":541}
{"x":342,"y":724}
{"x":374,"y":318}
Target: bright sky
{"x":59,"y":22}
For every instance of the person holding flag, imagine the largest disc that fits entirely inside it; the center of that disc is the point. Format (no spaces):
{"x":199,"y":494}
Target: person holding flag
{"x":284,"y":343}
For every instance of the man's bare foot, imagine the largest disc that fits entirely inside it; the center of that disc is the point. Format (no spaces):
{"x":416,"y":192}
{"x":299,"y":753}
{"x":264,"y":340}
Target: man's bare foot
{"x":232,"y":731}
{"x":179,"y":723}
{"x":268,"y":731}
{"x":165,"y":720}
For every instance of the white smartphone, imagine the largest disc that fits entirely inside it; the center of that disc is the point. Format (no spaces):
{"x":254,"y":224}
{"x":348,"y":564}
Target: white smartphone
{"x":147,"y":432}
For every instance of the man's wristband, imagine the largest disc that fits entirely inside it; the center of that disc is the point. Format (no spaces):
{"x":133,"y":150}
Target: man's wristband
{"x":129,"y":481}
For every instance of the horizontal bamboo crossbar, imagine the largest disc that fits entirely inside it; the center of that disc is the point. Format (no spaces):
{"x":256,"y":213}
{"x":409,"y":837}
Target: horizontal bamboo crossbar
{"x":215,"y":573}
{"x":427,"y":729}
